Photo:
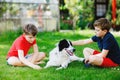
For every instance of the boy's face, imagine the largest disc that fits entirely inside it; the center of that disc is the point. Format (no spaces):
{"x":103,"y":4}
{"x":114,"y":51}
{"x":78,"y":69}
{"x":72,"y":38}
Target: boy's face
{"x":99,"y":32}
{"x":29,"y":38}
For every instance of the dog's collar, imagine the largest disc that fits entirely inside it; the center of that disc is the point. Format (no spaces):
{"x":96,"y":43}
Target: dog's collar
{"x":69,"y":52}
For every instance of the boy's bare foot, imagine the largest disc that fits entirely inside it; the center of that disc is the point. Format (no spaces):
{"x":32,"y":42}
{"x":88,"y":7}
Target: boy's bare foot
{"x":41,"y":62}
{"x":37,"y":67}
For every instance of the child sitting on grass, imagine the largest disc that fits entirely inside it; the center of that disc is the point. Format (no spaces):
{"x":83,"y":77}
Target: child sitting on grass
{"x":109,"y":56}
{"x":18,"y":53}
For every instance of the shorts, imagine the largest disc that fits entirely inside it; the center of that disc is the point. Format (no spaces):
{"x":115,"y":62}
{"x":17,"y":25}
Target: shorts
{"x":107,"y":62}
{"x":27,"y":56}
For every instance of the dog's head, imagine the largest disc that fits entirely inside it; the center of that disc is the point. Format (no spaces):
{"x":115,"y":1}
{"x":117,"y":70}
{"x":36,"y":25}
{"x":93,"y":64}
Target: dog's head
{"x":67,"y":45}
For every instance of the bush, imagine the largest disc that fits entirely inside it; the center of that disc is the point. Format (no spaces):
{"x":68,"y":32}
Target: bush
{"x":65,"y":25}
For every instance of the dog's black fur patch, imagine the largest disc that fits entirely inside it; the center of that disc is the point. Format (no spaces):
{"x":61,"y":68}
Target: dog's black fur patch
{"x":64,"y":44}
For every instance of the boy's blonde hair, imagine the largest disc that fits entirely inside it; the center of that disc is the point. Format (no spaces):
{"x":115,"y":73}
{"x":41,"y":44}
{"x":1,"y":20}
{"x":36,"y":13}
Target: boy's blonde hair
{"x":103,"y":24}
{"x":30,"y":29}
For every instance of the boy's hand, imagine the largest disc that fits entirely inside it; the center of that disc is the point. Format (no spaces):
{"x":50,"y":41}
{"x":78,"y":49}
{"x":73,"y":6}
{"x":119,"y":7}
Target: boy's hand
{"x":86,"y":61}
{"x":36,"y":67}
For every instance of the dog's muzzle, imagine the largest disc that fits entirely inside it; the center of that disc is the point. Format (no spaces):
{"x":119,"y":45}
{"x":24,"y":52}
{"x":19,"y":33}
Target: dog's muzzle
{"x":69,"y":52}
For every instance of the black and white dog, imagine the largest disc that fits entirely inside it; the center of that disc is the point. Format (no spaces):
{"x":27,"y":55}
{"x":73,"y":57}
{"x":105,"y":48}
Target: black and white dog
{"x":62,"y":55}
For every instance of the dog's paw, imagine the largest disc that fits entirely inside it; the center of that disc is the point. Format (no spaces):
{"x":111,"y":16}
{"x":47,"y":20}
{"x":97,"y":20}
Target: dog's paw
{"x":46,"y":66}
{"x":59,"y":68}
{"x":81,"y":59}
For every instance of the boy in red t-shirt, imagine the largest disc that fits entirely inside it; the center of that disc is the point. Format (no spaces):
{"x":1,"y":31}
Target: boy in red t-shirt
{"x":17,"y":55}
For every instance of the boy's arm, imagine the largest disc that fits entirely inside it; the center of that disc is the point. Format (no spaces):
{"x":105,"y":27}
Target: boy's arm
{"x":25,"y":61}
{"x":82,"y":42}
{"x":103,"y":53}
{"x":35,"y":54}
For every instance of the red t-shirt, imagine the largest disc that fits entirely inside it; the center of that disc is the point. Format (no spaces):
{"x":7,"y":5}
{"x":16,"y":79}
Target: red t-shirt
{"x":20,"y":44}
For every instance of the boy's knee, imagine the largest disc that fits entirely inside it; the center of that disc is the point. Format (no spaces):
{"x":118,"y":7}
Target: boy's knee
{"x":42,"y":54}
{"x":86,"y":50}
{"x":12,"y":61}
{"x":9,"y":61}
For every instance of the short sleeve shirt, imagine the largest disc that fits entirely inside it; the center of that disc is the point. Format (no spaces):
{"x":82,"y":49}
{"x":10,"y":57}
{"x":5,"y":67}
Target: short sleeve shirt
{"x":20,"y":44}
{"x":109,"y":43}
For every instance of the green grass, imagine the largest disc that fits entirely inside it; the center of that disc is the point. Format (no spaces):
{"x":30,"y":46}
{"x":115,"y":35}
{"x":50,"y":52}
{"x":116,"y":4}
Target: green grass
{"x":46,"y":42}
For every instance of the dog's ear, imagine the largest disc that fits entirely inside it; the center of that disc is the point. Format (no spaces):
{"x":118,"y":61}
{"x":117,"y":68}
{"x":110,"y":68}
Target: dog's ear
{"x":61,"y":44}
{"x":71,"y":43}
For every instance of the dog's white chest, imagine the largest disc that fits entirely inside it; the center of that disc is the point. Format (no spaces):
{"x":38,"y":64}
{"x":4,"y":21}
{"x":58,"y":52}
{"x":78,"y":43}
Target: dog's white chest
{"x":57,"y":56}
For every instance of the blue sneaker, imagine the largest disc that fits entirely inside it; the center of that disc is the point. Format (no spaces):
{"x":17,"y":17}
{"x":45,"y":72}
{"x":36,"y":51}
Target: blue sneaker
{"x":87,"y":65}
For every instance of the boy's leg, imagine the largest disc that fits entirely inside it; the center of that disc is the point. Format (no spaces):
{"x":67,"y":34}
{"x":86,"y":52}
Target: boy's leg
{"x":40,"y":57}
{"x":95,"y":60}
{"x":90,"y":57}
{"x":87,"y":52}
{"x":14,"y":61}
{"x":102,"y":62}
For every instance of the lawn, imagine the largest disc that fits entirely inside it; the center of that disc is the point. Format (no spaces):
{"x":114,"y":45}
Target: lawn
{"x":46,"y":42}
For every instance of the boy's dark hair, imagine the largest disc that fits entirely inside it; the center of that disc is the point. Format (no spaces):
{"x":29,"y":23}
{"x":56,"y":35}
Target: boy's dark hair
{"x":30,"y":29}
{"x":103,"y":24}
